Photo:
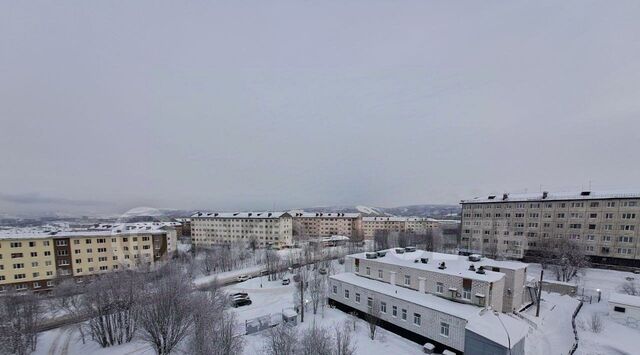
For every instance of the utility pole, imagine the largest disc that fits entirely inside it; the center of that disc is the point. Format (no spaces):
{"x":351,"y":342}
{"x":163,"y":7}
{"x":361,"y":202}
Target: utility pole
{"x":301,"y":299}
{"x":539,"y":294}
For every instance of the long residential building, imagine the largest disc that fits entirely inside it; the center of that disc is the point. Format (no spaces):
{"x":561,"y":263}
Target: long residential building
{"x":450,"y":301}
{"x":321,"y":224}
{"x":605,"y":224}
{"x":417,"y":225}
{"x":266,"y":229}
{"x":34,"y":260}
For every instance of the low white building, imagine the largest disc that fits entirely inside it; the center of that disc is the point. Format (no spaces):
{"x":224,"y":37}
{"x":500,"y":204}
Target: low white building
{"x":625,"y":309}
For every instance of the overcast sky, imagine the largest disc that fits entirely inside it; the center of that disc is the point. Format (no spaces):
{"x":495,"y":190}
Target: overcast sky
{"x":237,"y":105}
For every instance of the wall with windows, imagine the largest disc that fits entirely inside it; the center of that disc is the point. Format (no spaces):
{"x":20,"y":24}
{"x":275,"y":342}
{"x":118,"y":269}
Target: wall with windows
{"x":433,"y":324}
{"x":26,"y":263}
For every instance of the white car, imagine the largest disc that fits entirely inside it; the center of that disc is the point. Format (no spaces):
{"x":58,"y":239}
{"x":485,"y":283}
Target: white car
{"x":243,"y":278}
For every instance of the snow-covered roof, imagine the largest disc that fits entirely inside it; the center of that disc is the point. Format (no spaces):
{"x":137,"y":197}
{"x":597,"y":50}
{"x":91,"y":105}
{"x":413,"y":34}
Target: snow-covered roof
{"x":334,"y":238}
{"x":553,"y":196}
{"x":243,"y":215}
{"x":494,"y":326}
{"x":457,"y":265}
{"x":302,"y":214}
{"x":98,"y":230}
{"x":384,"y":219}
{"x":459,"y":310}
{"x":624,"y":299}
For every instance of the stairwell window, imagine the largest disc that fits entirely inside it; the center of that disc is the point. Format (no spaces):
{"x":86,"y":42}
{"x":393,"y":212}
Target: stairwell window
{"x":407,"y":280}
{"x":444,"y":329}
{"x":417,"y":319}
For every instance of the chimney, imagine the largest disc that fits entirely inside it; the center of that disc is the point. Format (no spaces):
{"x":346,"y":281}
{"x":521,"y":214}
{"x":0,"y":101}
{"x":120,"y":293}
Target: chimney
{"x":545,"y":194}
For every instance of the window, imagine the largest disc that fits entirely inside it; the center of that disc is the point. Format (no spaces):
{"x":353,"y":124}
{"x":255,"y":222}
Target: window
{"x":368,"y":271}
{"x":87,"y":241}
{"x":47,"y":253}
{"x":407,"y":280}
{"x":404,"y":314}
{"x":611,"y":204}
{"x":416,"y":319}
{"x":16,"y":255}
{"x":335,"y":289}
{"x":61,"y":243}
{"x":34,"y":264}
{"x":32,"y":244}
{"x":383,"y":307}
{"x":394,"y":311}
{"x":102,"y":250}
{"x":19,"y":276}
{"x":18,"y":266}
{"x":357,"y":297}
{"x":619,"y":309}
{"x":346,"y":294}
{"x":16,"y":244}
{"x":380,"y":274}
{"x":439,"y":287}
{"x":444,"y":329}
{"x":76,"y":241}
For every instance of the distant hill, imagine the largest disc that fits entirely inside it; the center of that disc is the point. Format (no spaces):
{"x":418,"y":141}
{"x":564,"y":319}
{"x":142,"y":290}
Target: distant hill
{"x":435,"y":211}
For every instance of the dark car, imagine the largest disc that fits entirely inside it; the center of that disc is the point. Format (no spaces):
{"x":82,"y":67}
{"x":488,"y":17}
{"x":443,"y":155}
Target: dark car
{"x":240,"y":295}
{"x":239,"y":302}
{"x":286,"y":281}
{"x":322,"y":271}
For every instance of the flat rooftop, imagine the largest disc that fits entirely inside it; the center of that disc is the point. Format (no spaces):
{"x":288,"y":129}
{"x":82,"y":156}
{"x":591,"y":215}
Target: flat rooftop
{"x":240,"y":215}
{"x":554,"y":196}
{"x":98,"y":230}
{"x":457,"y":265}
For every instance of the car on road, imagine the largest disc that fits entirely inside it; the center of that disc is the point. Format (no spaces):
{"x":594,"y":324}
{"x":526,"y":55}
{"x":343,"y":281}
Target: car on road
{"x":239,"y":302}
{"x":264,"y":272}
{"x":322,"y":271}
{"x":243,"y":278}
{"x":286,"y":281}
{"x":240,"y":295}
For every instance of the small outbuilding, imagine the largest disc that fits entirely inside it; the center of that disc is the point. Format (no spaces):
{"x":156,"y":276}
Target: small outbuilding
{"x":625,"y":309}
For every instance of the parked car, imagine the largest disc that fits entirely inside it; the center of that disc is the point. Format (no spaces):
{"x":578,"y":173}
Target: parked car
{"x":286,"y":281}
{"x":240,"y":295}
{"x":239,"y":302}
{"x":243,"y":278}
{"x":322,"y":271}
{"x":264,"y":272}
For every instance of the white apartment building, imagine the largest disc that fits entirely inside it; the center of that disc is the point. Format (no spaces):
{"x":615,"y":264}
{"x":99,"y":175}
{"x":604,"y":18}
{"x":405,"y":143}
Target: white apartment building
{"x":448,"y":300}
{"x":417,"y":225}
{"x":321,"y":224}
{"x":605,"y":224}
{"x":265,"y":228}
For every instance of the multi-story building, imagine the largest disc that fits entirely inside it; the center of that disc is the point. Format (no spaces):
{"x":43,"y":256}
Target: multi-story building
{"x":320,"y":224}
{"x":447,"y":300}
{"x":605,"y":224}
{"x":266,"y":229}
{"x":417,"y":225}
{"x":34,"y":259}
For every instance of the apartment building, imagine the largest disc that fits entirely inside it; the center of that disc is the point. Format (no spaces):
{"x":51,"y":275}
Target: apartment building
{"x":443,"y":299}
{"x":320,"y":224}
{"x":417,"y":225}
{"x":33,"y":260}
{"x":267,"y":229}
{"x":605,"y":224}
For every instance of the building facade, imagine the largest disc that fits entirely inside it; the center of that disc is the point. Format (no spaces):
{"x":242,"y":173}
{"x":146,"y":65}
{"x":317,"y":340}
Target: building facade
{"x":265,"y":229}
{"x":605,"y":225}
{"x":34,"y":260}
{"x":417,"y":225}
{"x":438,"y":298}
{"x":310,"y":224}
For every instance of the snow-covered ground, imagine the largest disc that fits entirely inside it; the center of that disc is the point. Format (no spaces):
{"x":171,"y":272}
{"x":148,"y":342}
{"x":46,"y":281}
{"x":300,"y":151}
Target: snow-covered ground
{"x":614,"y":338}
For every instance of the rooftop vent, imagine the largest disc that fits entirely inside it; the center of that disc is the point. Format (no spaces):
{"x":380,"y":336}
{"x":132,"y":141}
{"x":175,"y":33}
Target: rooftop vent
{"x":216,"y":214}
{"x":235,"y":214}
{"x":472,"y":267}
{"x":410,"y":249}
{"x":249,"y":214}
{"x":269,"y":214}
{"x":505,"y":196}
{"x":381,"y":253}
{"x":399,"y":251}
{"x":480,"y":270}
{"x":475,"y":257}
{"x":492,"y":197}
{"x":416,"y":261}
{"x":585,"y":193}
{"x":424,"y":260}
{"x":442,"y":266}
{"x":545,"y":194}
{"x":370,"y":255}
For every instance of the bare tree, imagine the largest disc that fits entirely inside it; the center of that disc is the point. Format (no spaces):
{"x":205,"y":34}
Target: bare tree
{"x":68,"y":297}
{"x":344,"y":342}
{"x":214,"y":328}
{"x":596,"y":324}
{"x":373,"y":316}
{"x":381,"y":240}
{"x":630,"y":288}
{"x":168,"y":312}
{"x":316,"y":341}
{"x":21,"y":315}
{"x":272,"y":260}
{"x":207,"y":262}
{"x":569,"y":259}
{"x":281,"y":340}
{"x":112,"y":304}
{"x":317,"y":286}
